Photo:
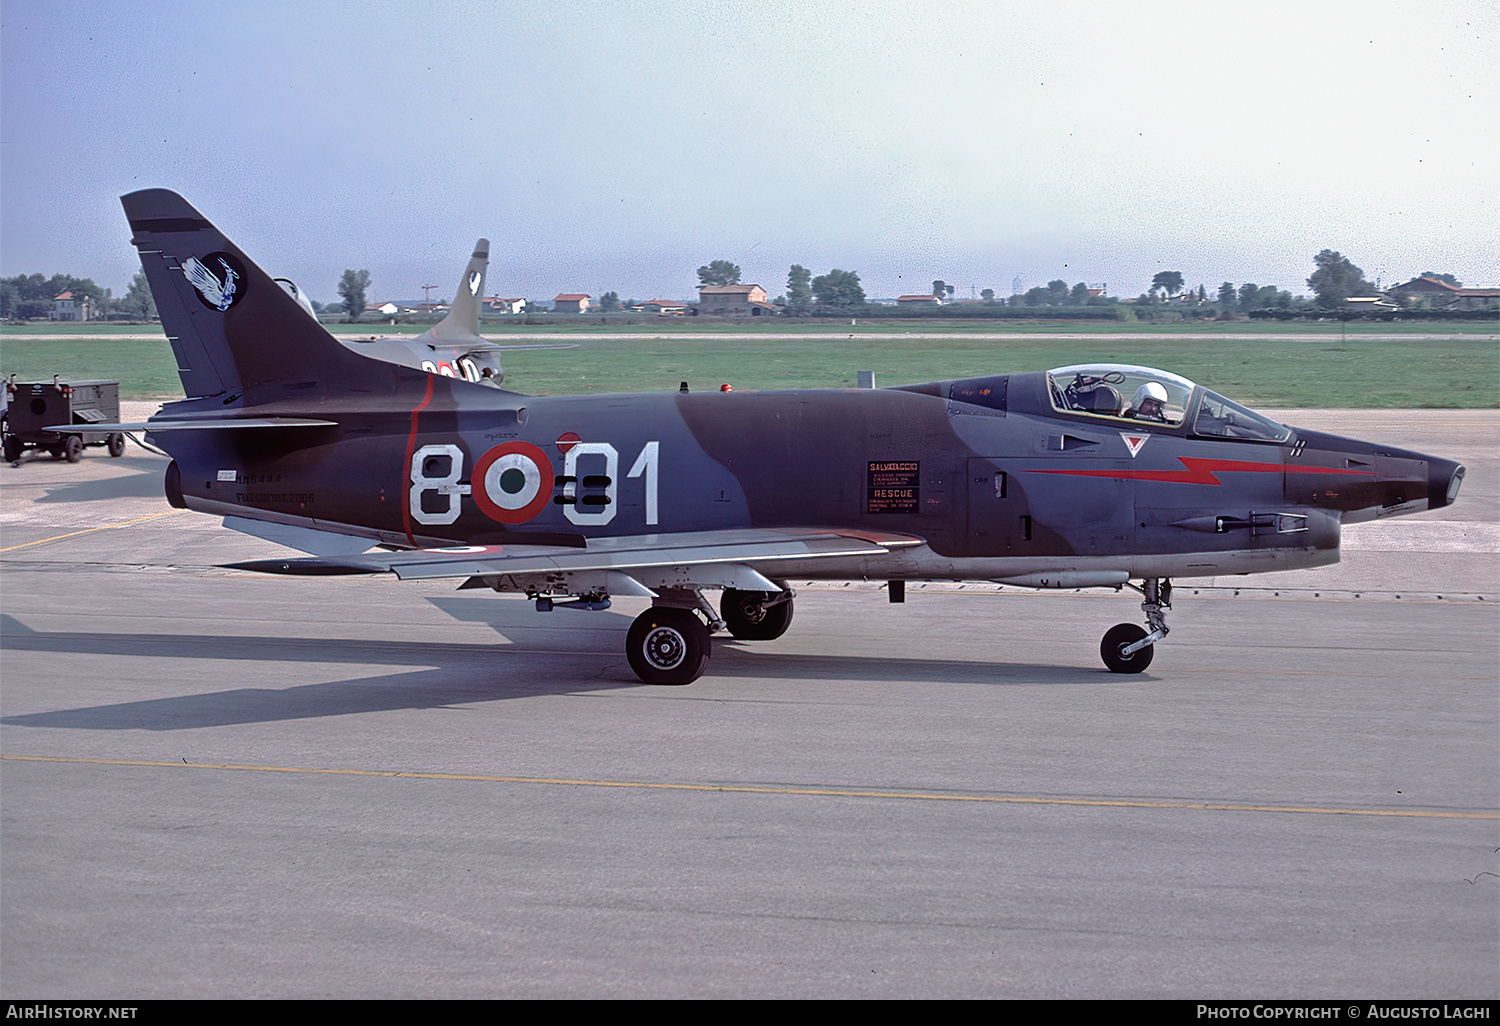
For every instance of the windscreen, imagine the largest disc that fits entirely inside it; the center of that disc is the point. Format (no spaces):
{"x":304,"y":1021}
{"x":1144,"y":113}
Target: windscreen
{"x":1221,"y":418}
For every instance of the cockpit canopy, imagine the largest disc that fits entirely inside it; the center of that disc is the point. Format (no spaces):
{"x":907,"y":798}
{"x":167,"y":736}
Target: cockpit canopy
{"x":1118,"y":390}
{"x":1147,"y":396}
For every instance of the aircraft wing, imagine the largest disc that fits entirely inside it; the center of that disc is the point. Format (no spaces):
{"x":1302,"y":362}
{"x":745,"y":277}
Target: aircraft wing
{"x":704,"y":558}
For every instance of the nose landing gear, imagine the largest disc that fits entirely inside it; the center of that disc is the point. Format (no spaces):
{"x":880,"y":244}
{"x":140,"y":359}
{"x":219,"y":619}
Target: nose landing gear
{"x":1127,"y":647}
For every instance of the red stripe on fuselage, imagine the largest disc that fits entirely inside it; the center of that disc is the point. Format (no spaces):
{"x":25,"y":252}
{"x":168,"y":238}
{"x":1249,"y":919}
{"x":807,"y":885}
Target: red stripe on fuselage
{"x":1201,"y":471}
{"x":411,"y":448}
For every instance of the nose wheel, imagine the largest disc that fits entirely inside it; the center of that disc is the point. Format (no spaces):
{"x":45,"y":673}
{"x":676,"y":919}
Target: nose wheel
{"x":1128,"y":647}
{"x":1120,"y":637}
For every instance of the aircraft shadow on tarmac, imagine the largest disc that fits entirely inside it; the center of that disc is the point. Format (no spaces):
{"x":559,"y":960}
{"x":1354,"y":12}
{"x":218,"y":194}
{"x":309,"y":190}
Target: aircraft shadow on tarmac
{"x":144,"y":483}
{"x":444,"y":674}
{"x":755,"y":660}
{"x":735,"y":658}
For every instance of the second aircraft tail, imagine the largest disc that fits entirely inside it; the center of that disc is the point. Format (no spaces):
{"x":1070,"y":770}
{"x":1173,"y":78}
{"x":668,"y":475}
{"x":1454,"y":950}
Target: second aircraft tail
{"x":461,"y":326}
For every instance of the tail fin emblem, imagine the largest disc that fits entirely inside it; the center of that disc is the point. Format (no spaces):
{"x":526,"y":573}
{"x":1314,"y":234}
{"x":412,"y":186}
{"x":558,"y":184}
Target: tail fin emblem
{"x":217,"y":293}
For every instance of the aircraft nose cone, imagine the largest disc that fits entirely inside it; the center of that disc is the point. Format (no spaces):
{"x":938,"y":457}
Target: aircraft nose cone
{"x":1364,"y":480}
{"x":1443,"y":480}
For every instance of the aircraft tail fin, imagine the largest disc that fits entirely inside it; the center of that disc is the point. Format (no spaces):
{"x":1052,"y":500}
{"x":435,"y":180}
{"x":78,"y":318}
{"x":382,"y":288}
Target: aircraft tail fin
{"x":230,"y":325}
{"x":461,"y":326}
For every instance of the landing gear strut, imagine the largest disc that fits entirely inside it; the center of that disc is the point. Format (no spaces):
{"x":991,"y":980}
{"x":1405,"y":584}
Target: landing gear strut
{"x":1128,"y":648}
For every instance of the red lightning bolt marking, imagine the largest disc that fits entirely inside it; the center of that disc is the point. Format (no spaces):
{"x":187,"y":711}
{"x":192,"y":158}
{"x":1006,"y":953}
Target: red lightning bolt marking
{"x":411,"y":448}
{"x":1201,"y":471}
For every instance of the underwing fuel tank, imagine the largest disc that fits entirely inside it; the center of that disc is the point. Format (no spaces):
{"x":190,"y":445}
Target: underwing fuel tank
{"x":1364,"y":480}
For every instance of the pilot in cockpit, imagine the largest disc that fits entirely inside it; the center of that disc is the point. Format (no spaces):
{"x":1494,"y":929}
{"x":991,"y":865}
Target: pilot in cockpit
{"x":1149,"y":403}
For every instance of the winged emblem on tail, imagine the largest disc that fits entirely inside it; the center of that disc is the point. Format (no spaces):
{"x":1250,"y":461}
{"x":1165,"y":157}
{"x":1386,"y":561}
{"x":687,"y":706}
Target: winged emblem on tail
{"x":217,"y":293}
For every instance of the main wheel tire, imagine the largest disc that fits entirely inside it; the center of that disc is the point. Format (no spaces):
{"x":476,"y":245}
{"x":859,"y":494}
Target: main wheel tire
{"x":749,"y":620}
{"x":73,"y":449}
{"x":666,"y":645}
{"x":1116,"y":638}
{"x":116,"y":444}
{"x":13,"y":448}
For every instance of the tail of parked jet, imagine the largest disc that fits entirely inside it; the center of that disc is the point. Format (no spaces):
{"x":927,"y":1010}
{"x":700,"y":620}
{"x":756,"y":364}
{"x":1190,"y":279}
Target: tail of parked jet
{"x":231,"y":326}
{"x":453,"y":347}
{"x":461,"y":326}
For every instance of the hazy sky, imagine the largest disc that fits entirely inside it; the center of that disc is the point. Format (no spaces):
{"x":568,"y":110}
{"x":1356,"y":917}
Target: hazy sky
{"x":618,"y":145}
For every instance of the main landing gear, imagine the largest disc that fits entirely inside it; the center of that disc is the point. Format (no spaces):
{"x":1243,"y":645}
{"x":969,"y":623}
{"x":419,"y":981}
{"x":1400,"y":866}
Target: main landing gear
{"x":1127,"y":647}
{"x":670,"y":642}
{"x":757,"y":615}
{"x":667,"y":645}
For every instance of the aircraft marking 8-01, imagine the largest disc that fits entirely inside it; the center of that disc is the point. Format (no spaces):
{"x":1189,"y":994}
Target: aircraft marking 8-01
{"x":1087,"y":476}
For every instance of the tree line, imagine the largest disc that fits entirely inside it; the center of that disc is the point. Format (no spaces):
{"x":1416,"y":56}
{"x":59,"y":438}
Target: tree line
{"x":1334,"y":280}
{"x":30,"y":297}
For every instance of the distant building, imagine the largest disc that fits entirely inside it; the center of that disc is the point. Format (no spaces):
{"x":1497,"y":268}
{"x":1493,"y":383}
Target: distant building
{"x":918,"y":301}
{"x":666,"y":307}
{"x":571,"y":302}
{"x":68,"y":307}
{"x":1440,"y":295}
{"x":733,"y":301}
{"x":1476,"y":299}
{"x":496,"y":305}
{"x":1439,"y":292}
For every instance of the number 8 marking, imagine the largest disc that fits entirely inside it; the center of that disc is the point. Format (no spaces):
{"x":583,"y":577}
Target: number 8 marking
{"x":422,"y":482}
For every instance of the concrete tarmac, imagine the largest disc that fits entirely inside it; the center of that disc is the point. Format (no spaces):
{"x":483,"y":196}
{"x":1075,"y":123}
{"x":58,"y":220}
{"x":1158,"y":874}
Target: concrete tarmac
{"x":217,"y":784}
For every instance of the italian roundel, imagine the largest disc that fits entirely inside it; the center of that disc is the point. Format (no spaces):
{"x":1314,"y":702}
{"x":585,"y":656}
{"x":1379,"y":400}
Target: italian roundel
{"x":514,"y":482}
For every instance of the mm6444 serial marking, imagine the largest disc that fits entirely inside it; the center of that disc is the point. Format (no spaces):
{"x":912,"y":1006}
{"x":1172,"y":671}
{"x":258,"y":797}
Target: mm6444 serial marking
{"x":1085,"y":476}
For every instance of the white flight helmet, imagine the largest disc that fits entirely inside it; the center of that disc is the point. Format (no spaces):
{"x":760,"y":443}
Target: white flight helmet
{"x":1150,"y":390}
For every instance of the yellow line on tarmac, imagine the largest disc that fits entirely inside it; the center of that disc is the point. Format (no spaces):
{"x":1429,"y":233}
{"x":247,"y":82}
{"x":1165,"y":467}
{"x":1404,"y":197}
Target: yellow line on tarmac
{"x":91,"y":530}
{"x":829,"y":792}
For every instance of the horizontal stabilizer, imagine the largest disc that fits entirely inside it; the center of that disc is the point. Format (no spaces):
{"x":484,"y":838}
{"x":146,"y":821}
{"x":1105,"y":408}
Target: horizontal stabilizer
{"x":494,"y":347}
{"x":219,"y":424}
{"x":306,"y":539}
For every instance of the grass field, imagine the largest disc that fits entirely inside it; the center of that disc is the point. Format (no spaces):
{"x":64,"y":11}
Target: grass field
{"x":1381,"y":366}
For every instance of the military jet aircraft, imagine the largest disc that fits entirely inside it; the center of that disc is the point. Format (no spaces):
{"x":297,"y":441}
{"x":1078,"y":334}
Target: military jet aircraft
{"x":1083,"y":476}
{"x":452,"y":347}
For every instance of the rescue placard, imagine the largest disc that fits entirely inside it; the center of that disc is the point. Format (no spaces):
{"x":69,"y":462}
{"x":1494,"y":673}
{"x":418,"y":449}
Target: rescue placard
{"x":891,"y":486}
